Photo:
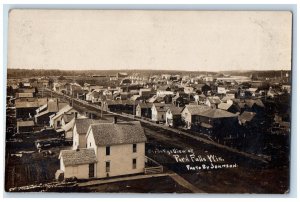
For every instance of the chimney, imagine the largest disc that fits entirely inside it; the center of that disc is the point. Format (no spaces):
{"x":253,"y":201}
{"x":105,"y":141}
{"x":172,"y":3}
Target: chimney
{"x":115,"y":119}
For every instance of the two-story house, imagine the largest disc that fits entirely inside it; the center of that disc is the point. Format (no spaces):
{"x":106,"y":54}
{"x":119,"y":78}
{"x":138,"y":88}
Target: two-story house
{"x":113,"y":149}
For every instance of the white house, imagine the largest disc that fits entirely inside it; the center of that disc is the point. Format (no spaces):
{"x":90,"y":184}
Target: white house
{"x":173,"y":116}
{"x":189,"y":113}
{"x":56,"y":119}
{"x":78,"y":163}
{"x":158,"y":111}
{"x":113,"y":149}
{"x":80,"y":129}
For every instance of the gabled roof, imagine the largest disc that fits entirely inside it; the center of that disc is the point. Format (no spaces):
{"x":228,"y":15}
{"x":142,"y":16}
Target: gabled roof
{"x":145,"y":105}
{"x":217,"y":113}
{"x":68,"y":117}
{"x":246,"y":116}
{"x":161,"y":107}
{"x":41,"y":108}
{"x":83,"y":124}
{"x":62,"y":111}
{"x":214,"y":100}
{"x":224,"y":106}
{"x":196,"y":109}
{"x":119,"y":133}
{"x":69,"y":125}
{"x":78,"y":157}
{"x":258,"y":102}
{"x":175,"y":110}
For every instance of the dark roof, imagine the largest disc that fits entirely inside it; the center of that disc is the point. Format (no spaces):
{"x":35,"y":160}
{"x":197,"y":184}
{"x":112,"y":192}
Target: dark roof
{"x":83,"y":124}
{"x":165,"y":88}
{"x":78,"y":157}
{"x":258,"y":102}
{"x":119,"y":133}
{"x":246,"y":116}
{"x":175,"y":110}
{"x":162,"y":107}
{"x":145,"y":105}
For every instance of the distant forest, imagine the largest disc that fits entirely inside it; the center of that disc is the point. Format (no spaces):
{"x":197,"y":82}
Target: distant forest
{"x":29,"y":73}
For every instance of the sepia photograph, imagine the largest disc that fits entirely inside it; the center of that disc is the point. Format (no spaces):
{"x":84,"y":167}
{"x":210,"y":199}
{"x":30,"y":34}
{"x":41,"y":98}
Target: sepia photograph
{"x":148,"y":101}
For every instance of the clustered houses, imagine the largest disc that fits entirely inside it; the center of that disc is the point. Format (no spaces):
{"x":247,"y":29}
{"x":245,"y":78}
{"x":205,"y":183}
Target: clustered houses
{"x":215,"y":105}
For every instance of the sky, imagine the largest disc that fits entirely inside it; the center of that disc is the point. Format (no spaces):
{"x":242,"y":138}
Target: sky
{"x":160,"y":40}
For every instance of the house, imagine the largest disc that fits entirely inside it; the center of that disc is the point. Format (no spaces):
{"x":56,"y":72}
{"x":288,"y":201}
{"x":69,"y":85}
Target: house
{"x":68,"y":122}
{"x":200,"y":99}
{"x":80,"y":129}
{"x":246,"y":117}
{"x":81,"y":126}
{"x":213,"y":101}
{"x":78,"y":163}
{"x":231,"y":93}
{"x":24,"y":95}
{"x":25,"y":126}
{"x":158,"y":112}
{"x":229,"y":106}
{"x":177,"y":100}
{"x":60,"y":87}
{"x":216,"y":122}
{"x":113,"y":149}
{"x":221,"y":90}
{"x":143,"y":110}
{"x":25,"y":109}
{"x":119,"y":148}
{"x":93,"y":96}
{"x":173,"y":116}
{"x":56,"y":119}
{"x":164,"y":90}
{"x":286,"y":87}
{"x":52,"y":107}
{"x":156,"y":99}
{"x":146,"y":92}
{"x":189,"y":113}
{"x":255,"y":105}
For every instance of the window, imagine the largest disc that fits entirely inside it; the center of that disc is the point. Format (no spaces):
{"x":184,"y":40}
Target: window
{"x":107,"y":150}
{"x":58,"y":123}
{"x":134,"y":148}
{"x":107,"y":166}
{"x":90,"y":144}
{"x":133,"y":163}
